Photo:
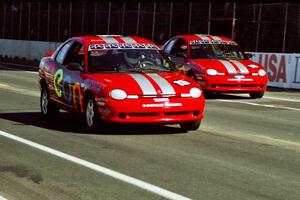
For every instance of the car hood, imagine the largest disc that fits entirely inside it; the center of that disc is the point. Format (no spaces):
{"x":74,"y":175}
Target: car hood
{"x":228,"y":67}
{"x":143,"y":84}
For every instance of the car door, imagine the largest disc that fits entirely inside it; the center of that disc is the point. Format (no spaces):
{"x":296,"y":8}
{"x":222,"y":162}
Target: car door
{"x":72,"y":81}
{"x":58,"y":71}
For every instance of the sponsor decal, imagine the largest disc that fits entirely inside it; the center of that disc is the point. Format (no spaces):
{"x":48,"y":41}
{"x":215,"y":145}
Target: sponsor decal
{"x":196,"y":42}
{"x":161,"y":99}
{"x":110,"y":46}
{"x":182,"y":82}
{"x":166,"y":104}
{"x":253,"y":66}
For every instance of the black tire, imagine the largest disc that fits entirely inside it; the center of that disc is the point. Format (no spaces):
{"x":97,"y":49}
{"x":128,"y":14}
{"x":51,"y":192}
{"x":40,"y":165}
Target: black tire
{"x":256,"y":95}
{"x":48,"y":109}
{"x":190,"y":126}
{"x":91,"y":117}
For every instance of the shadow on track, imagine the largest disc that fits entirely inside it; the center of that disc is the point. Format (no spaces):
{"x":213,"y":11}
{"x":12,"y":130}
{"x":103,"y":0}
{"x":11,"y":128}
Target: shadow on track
{"x":224,"y":96}
{"x":67,"y":122}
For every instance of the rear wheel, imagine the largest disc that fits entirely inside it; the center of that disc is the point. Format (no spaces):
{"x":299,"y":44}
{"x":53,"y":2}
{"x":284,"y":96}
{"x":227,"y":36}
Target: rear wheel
{"x":190,"y":126}
{"x":256,"y":95}
{"x":48,"y":109}
{"x":91,"y":116}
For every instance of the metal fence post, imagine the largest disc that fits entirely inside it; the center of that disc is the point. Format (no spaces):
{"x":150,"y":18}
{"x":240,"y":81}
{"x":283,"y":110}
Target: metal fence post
{"x":209,"y":16}
{"x":285,"y":27}
{"x":59,"y":19}
{"x":153,"y":20}
{"x":108,"y":20}
{"x":138,"y":18}
{"x":95,"y":18}
{"x":258,"y":27}
{"x":29,"y":21}
{"x":123,"y":17}
{"x":233,"y":22}
{"x":4,"y":20}
{"x":82,"y":17}
{"x":171,"y":17}
{"x":48,"y":21}
{"x":39,"y":21}
{"x":190,"y":18}
{"x":70,"y":20}
{"x":20,"y":20}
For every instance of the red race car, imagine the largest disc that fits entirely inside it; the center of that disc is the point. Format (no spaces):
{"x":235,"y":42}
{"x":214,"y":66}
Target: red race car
{"x":217,"y":64}
{"x":118,"y":79}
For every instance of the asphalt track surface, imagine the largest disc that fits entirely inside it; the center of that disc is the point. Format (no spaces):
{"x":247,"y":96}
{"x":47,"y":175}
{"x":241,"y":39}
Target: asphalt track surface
{"x":244,"y":149}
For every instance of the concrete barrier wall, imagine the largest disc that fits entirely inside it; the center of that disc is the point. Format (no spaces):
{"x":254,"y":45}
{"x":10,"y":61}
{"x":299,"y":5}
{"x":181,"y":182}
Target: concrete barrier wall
{"x":283,"y":69}
{"x":30,"y":50}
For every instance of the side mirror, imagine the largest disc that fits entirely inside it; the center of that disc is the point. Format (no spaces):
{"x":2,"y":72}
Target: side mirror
{"x":74,"y":67}
{"x":249,"y":55}
{"x":49,"y":53}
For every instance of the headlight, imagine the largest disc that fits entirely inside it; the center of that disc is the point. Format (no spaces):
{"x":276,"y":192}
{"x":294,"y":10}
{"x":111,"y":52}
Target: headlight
{"x":262,"y":72}
{"x":195,"y":92}
{"x":118,"y":94}
{"x":211,"y":72}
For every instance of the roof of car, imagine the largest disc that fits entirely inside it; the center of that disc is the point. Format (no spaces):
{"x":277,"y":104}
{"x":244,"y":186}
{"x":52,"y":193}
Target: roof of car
{"x":112,"y":39}
{"x":206,"y":37}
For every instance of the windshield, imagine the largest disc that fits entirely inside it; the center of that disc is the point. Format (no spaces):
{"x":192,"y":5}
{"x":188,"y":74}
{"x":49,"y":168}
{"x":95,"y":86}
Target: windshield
{"x":129,"y":60}
{"x":217,"y":51}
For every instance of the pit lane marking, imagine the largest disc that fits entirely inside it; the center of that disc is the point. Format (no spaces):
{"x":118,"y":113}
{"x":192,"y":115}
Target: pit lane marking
{"x":103,"y":170}
{"x":256,"y":104}
{"x":19,"y":90}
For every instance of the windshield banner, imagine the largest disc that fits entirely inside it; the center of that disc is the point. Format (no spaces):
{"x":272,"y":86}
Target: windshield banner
{"x":283,"y":68}
{"x":110,"y":46}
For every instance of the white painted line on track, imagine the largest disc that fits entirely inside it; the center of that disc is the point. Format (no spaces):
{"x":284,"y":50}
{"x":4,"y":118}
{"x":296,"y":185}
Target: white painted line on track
{"x":19,"y":90}
{"x":2,"y":198}
{"x":136,"y":182}
{"x":282,"y":99}
{"x":256,"y":104}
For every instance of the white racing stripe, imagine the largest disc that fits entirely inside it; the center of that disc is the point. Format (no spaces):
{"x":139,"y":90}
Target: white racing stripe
{"x":243,"y":68}
{"x":230,"y":68}
{"x":128,"y":40}
{"x":256,"y":104}
{"x":164,"y":85}
{"x":216,"y":37}
{"x":117,"y":175}
{"x":203,"y":37}
{"x":108,"y":40}
{"x":144,"y":84}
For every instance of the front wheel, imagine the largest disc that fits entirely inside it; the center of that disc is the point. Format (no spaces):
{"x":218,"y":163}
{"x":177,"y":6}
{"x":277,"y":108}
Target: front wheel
{"x":256,"y":95}
{"x":91,"y":116}
{"x":190,"y":126}
{"x":48,"y":109}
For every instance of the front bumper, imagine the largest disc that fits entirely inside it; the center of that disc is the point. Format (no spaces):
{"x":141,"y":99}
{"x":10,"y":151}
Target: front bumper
{"x":148,"y":110}
{"x":233,"y":84}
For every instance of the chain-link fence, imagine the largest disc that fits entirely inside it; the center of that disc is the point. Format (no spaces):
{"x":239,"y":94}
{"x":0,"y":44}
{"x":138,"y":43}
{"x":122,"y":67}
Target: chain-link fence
{"x":263,"y":27}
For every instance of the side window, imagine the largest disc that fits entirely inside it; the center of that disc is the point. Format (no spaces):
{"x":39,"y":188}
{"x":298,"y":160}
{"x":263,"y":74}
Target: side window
{"x":63,"y":52}
{"x":75,"y":54}
{"x":180,"y":49}
{"x":169,"y":46}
